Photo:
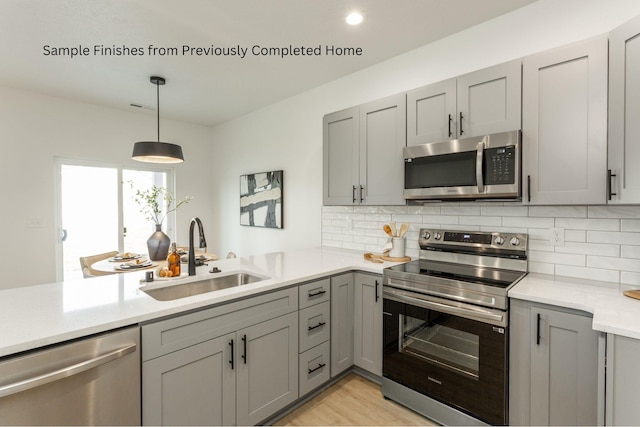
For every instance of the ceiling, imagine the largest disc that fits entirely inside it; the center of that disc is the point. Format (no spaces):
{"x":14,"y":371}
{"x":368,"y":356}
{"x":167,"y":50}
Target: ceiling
{"x":210,"y":89}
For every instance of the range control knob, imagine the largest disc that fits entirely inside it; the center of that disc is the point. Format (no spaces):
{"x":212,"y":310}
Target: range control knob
{"x":499,"y":240}
{"x":514,"y":241}
{"x":426,"y":235}
{"x":437,"y":235}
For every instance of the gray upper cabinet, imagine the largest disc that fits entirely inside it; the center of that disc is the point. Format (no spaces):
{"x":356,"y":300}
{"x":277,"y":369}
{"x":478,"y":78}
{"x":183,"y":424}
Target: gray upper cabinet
{"x":362,"y":154}
{"x":564,"y":124}
{"x":624,"y":113}
{"x":556,"y":367}
{"x":483,"y":102}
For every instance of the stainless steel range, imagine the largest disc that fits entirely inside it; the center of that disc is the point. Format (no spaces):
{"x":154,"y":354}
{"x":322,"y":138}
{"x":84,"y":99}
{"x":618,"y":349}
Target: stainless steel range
{"x":446,"y":325}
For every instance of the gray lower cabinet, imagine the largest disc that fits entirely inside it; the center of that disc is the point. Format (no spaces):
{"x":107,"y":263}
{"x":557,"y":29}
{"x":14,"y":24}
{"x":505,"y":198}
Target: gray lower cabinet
{"x":234,"y":364}
{"x":342,"y":319}
{"x":623,"y":378}
{"x":368,"y":322}
{"x":555,"y":370}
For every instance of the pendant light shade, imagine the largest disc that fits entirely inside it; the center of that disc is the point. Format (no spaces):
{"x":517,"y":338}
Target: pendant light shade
{"x":156,"y":151}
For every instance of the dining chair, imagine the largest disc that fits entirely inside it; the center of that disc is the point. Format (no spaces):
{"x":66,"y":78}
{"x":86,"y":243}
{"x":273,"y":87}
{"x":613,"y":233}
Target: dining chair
{"x":87,"y":261}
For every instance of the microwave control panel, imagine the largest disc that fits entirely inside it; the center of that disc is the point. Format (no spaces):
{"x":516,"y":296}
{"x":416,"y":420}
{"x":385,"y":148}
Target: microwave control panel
{"x":500,"y":165}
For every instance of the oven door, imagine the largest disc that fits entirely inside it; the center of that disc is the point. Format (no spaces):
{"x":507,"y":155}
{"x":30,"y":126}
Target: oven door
{"x":454,"y":359}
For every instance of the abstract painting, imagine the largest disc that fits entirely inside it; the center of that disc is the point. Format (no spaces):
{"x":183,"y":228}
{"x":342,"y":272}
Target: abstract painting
{"x":261,"y":199}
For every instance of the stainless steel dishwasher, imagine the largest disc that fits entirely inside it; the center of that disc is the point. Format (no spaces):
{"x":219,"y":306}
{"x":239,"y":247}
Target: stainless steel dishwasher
{"x":92,"y":381}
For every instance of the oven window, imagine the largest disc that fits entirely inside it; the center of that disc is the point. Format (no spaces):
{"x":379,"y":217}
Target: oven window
{"x":447,"y":170}
{"x":441,"y":344}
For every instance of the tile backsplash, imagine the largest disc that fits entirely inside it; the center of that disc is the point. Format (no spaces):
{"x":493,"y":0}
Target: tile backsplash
{"x":600,"y":242}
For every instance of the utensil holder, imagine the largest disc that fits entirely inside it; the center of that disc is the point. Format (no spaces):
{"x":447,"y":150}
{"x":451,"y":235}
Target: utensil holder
{"x":398,"y":247}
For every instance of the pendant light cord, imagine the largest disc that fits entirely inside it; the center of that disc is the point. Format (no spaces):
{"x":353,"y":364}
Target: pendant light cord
{"x":158,"y":106}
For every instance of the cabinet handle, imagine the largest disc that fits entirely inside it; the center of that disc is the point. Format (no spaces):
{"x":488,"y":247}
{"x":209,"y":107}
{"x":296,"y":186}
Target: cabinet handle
{"x":354,"y":194}
{"x":321,"y":292}
{"x":232,"y":359}
{"x":320,"y":366}
{"x":461,"y":116}
{"x":609,"y":176}
{"x":538,"y":331}
{"x":244,"y":349}
{"x":311,"y":328}
{"x":528,"y":188}
{"x":377,"y":295}
{"x":450,"y":120}
{"x":361,"y":193}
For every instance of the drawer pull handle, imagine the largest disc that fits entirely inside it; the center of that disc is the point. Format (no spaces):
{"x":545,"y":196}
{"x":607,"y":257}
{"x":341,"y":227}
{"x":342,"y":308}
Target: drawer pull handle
{"x":244,"y":349}
{"x":320,"y":292}
{"x":320,"y":366}
{"x":232,"y":361}
{"x":311,"y":328}
{"x":538,"y":330}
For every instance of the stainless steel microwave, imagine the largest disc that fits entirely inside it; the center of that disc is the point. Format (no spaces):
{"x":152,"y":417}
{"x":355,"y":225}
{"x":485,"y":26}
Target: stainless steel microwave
{"x":480,"y":167}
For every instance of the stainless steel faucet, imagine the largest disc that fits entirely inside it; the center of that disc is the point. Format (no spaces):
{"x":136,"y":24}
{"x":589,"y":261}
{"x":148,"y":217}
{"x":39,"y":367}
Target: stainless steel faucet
{"x":203,"y":244}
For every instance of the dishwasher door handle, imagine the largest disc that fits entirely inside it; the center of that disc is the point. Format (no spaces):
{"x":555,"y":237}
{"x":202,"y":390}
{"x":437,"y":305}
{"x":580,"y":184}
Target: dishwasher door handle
{"x":66,"y":372}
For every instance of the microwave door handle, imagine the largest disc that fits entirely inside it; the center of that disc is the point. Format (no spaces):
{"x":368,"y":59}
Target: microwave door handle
{"x":479,"y":161}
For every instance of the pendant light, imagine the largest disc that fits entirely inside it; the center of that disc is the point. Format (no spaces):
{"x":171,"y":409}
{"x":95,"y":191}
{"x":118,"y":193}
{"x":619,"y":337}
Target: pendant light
{"x":157,"y":152}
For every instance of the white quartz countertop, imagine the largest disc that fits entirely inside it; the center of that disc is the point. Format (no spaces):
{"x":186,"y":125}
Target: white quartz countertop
{"x":612,"y":311}
{"x":40,"y":315}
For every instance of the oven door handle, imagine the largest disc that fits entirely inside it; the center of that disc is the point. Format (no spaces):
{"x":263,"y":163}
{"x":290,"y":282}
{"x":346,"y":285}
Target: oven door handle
{"x":469,"y":313}
{"x":479,"y":161}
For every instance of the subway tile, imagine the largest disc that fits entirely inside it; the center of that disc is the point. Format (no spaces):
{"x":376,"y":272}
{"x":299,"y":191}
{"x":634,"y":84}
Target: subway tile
{"x":613,"y":237}
{"x":557,"y":258}
{"x":365,"y":239}
{"x":588,"y":273}
{"x":628,"y":278}
{"x":540,"y":245}
{"x":378,"y":217}
{"x":393,"y":209}
{"x":495,"y":229}
{"x":481,"y":220}
{"x":332,"y":229}
{"x":399,"y":219}
{"x":424,"y":210}
{"x":631,"y":212}
{"x":558,"y":211}
{"x":338,"y":209}
{"x":589,"y":249}
{"x":622,"y":264}
{"x":504,"y":210}
{"x":630,"y":225}
{"x":538,"y":233}
{"x":460,"y":210}
{"x":439,"y":219}
{"x":528,"y":222}
{"x":365,"y":224}
{"x":588,"y":224}
{"x":541,"y":267}
{"x":332,"y":244}
{"x":630,"y":251}
{"x":575,"y":235}
{"x":356,"y":246}
{"x":366,"y":209}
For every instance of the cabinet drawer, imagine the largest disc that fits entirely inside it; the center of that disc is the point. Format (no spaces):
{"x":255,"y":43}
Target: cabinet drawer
{"x":314,"y":368}
{"x":315,"y":325}
{"x":314,"y":292}
{"x":176,"y":333}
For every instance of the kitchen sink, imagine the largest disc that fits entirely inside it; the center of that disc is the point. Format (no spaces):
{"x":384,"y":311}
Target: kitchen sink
{"x":182,"y":290}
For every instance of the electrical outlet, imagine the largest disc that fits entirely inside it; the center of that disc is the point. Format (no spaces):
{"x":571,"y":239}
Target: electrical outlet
{"x":556,"y":236}
{"x":34,"y":222}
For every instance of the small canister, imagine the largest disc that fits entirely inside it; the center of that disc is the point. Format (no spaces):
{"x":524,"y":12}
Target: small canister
{"x":398,"y":247}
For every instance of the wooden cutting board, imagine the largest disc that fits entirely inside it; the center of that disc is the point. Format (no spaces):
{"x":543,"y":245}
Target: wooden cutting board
{"x":375,"y":258}
{"x":635,"y":293}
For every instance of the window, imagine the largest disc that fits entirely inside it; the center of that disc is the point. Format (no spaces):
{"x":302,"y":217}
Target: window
{"x":97,"y":214}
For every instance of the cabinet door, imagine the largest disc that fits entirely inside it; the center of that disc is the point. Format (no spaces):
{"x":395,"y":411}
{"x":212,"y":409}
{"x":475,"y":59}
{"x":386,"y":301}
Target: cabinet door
{"x":564,"y":125}
{"x":489,"y":100}
{"x":267,"y":375}
{"x":193,"y":386}
{"x":368,"y":323}
{"x":342,"y":318}
{"x":431,"y":113}
{"x":624,"y":112}
{"x":340,"y":157}
{"x":564,"y":369}
{"x":383,"y":133}
{"x":623,"y":377}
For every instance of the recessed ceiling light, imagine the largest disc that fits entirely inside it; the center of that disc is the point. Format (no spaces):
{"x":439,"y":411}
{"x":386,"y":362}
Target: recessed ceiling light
{"x":354,"y":18}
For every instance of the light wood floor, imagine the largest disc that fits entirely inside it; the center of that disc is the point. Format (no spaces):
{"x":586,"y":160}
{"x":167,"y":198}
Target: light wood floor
{"x":352,"y":401}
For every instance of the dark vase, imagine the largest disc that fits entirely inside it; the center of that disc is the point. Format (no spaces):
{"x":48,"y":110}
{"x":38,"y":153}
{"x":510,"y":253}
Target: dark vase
{"x":158,"y":245}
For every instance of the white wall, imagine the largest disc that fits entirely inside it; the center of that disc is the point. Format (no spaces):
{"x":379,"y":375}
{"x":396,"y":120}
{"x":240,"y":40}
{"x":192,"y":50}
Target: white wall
{"x":35,"y":128}
{"x":288,"y":135}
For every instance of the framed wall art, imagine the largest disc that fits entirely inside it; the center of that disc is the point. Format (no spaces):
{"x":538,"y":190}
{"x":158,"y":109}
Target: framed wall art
{"x":261,"y":199}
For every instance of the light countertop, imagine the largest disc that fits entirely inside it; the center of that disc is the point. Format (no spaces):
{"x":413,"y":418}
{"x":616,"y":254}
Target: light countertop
{"x":40,"y":315}
{"x":612,"y":311}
